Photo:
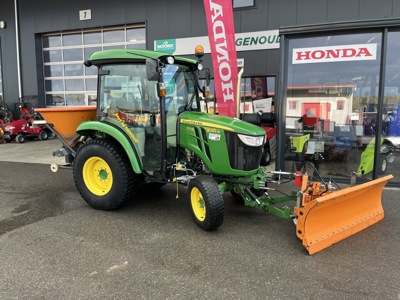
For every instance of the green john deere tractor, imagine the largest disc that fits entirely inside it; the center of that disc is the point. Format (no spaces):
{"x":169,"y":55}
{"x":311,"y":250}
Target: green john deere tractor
{"x":150,"y":129}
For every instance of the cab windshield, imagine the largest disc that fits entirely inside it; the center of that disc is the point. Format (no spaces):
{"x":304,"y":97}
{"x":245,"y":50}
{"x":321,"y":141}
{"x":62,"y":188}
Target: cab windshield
{"x":126,"y":85}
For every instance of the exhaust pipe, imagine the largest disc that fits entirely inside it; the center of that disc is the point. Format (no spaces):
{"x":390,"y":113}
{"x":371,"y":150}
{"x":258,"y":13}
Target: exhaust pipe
{"x":238,"y":92}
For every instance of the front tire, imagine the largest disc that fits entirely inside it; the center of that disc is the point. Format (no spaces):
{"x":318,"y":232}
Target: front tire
{"x":20,"y":138}
{"x":103,"y":174}
{"x":206,"y":202}
{"x":382,"y":163}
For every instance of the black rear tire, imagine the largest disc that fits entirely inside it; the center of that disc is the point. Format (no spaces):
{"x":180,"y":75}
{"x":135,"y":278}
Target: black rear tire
{"x":43,"y":135}
{"x":20,"y":138}
{"x":266,"y":157}
{"x":207,"y":203}
{"x":103,"y":174}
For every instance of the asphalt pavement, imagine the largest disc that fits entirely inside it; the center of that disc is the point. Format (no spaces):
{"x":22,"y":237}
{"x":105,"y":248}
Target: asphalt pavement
{"x":53,"y":246}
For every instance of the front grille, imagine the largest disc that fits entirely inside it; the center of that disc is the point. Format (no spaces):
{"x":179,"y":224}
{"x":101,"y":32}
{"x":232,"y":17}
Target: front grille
{"x":241,"y":156}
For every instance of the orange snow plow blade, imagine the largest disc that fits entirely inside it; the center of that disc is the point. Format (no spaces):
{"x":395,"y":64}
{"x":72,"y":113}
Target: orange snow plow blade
{"x":334,"y":216}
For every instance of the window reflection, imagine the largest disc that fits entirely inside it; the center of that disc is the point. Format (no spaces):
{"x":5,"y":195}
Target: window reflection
{"x":331,"y":101}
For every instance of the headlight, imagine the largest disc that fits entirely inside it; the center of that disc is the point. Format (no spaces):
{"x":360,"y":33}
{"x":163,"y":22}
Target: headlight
{"x":10,"y":127}
{"x":253,"y":141}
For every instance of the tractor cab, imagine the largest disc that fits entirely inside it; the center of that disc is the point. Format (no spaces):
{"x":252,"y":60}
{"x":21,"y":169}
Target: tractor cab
{"x":145,"y":96}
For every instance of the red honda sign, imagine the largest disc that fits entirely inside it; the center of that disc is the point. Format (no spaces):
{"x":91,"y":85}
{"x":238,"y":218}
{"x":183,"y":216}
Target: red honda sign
{"x":221,"y":34}
{"x":334,"y":53}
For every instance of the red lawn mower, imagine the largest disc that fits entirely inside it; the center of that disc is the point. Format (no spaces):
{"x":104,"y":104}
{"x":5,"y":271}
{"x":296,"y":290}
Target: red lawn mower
{"x":30,"y":125}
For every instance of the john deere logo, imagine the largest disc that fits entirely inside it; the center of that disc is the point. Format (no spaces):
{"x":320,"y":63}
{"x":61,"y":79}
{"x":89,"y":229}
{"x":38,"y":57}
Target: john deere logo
{"x":167,"y":46}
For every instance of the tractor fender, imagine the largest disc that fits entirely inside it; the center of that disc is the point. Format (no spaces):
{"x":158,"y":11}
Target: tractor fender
{"x":86,"y":128}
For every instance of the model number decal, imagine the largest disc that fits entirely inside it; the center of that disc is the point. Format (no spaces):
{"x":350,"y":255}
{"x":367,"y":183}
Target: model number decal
{"x":206,"y":124}
{"x":213,"y":130}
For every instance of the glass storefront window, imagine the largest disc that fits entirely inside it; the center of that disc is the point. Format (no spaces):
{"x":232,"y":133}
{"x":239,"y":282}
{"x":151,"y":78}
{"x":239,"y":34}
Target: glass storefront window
{"x":65,"y":77}
{"x":91,"y":84}
{"x":51,"y":41}
{"x":74,"y":85}
{"x":243,"y":3}
{"x":91,"y":71}
{"x":252,"y":88}
{"x":89,"y":50}
{"x":113,"y":47}
{"x":74,"y":54}
{"x":257,"y":88}
{"x":52,"y":56}
{"x":73,"y":70}
{"x":331,"y":101}
{"x":53,"y":71}
{"x":136,"y":46}
{"x":90,"y":38}
{"x":75,"y":99}
{"x":54,"y":85}
{"x":72,"y":39}
{"x":55,"y":100}
{"x":135,"y":35}
{"x":114,"y":36}
{"x":136,"y":38}
{"x":390,"y":143}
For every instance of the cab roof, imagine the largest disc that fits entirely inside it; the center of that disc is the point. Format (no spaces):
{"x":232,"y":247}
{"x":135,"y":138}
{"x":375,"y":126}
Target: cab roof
{"x":129,"y":55}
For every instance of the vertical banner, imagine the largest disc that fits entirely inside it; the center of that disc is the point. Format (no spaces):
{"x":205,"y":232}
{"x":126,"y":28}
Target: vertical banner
{"x":259,"y":88}
{"x":221,"y":34}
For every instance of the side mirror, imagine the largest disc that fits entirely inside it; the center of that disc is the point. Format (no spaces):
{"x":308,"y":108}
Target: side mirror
{"x":208,"y":77}
{"x":203,"y":75}
{"x":151,"y":70}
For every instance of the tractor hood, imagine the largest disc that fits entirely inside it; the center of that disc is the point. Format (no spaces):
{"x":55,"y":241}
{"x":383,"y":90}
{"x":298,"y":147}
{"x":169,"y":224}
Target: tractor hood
{"x":221,"y":122}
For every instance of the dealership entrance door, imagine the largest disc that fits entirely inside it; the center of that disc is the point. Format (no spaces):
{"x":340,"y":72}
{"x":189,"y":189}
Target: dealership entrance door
{"x":348,"y":83}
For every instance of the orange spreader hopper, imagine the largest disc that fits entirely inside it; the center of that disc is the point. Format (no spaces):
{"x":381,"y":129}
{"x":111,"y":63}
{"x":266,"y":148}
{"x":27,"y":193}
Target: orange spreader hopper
{"x":66,"y":119}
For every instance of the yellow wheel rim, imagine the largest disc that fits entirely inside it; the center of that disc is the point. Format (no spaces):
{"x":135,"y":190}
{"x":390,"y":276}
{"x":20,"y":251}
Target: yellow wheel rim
{"x":97,"y":176}
{"x":198,"y":204}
